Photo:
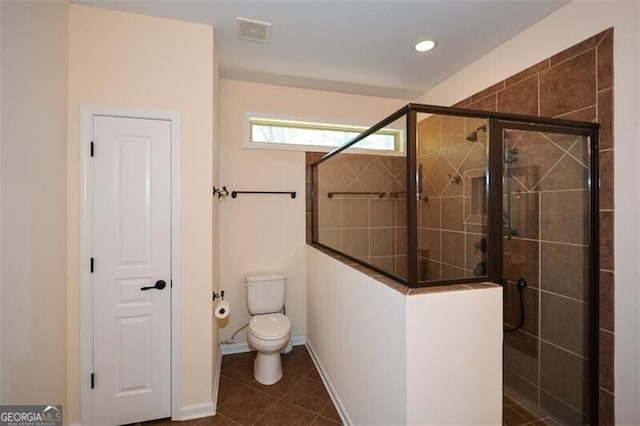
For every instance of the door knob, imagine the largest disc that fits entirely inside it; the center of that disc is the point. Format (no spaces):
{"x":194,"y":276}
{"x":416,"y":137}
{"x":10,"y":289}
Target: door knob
{"x":160,"y":284}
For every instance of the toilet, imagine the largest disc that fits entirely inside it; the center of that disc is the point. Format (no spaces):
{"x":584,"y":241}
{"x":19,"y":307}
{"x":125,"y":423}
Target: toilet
{"x":269,"y":330}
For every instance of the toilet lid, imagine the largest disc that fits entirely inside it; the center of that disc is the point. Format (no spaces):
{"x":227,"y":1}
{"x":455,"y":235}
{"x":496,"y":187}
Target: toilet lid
{"x":270,"y":326}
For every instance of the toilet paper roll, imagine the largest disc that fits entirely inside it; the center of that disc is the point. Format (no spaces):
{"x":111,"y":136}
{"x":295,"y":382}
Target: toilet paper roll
{"x":221,"y":309}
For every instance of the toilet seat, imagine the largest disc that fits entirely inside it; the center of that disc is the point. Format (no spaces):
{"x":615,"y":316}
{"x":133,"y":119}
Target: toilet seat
{"x":270,"y":326}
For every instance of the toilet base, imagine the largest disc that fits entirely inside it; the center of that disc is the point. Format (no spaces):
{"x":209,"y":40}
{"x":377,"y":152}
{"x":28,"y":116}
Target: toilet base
{"x":267,"y":368}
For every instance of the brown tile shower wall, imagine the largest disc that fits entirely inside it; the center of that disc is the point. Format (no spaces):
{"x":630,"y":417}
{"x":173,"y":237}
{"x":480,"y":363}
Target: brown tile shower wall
{"x":371,"y":228}
{"x":451,"y":222}
{"x":550,"y":252}
{"x":546,"y":361}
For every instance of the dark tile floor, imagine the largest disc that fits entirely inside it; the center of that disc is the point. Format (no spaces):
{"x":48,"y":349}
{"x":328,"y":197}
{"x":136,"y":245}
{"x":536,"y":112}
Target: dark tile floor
{"x":515,"y":414}
{"x":299,"y":398}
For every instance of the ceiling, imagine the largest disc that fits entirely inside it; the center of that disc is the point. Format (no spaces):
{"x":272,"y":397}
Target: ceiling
{"x":356,"y":46}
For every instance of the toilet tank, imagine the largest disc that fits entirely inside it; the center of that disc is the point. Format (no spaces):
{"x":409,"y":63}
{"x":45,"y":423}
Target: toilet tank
{"x":265,"y":292}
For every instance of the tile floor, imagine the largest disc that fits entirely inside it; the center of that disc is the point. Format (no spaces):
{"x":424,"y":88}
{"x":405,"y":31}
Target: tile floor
{"x":515,"y":414}
{"x":299,"y":398}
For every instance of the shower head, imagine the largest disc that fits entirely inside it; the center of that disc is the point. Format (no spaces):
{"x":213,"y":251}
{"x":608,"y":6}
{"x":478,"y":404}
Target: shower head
{"x":473,"y":136}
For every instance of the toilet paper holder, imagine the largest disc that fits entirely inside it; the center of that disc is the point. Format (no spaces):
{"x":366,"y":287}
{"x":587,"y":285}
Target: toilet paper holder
{"x":218,"y":295}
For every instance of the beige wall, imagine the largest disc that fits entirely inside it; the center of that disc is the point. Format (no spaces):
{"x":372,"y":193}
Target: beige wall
{"x":564,"y":28}
{"x":259,"y":232}
{"x":357,"y":330}
{"x":216,"y":354}
{"x":396,"y":359}
{"x":33,"y":169}
{"x":454,"y":357}
{"x":128,"y":60}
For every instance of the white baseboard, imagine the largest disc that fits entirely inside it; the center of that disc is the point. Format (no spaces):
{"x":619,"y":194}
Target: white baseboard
{"x":233,"y":348}
{"x":342,"y":411}
{"x":195,"y":411}
{"x":239,"y":348}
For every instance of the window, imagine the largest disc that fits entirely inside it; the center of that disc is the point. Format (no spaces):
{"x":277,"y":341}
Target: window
{"x":302,"y":135}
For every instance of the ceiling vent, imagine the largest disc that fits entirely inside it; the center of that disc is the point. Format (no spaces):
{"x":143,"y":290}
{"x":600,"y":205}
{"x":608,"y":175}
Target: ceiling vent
{"x":249,"y":29}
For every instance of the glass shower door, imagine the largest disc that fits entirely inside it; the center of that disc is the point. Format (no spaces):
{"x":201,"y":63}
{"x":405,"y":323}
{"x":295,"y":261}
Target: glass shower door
{"x":548,"y":270}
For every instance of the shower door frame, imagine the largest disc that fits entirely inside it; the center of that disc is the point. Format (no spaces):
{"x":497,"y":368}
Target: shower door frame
{"x":495,"y":229}
{"x":494,"y":167}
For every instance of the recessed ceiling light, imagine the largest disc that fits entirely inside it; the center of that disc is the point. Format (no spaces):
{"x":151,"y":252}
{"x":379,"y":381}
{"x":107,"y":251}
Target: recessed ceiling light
{"x":425,"y":45}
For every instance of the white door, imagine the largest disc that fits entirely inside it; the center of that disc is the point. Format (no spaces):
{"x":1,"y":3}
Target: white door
{"x":131,"y":259}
